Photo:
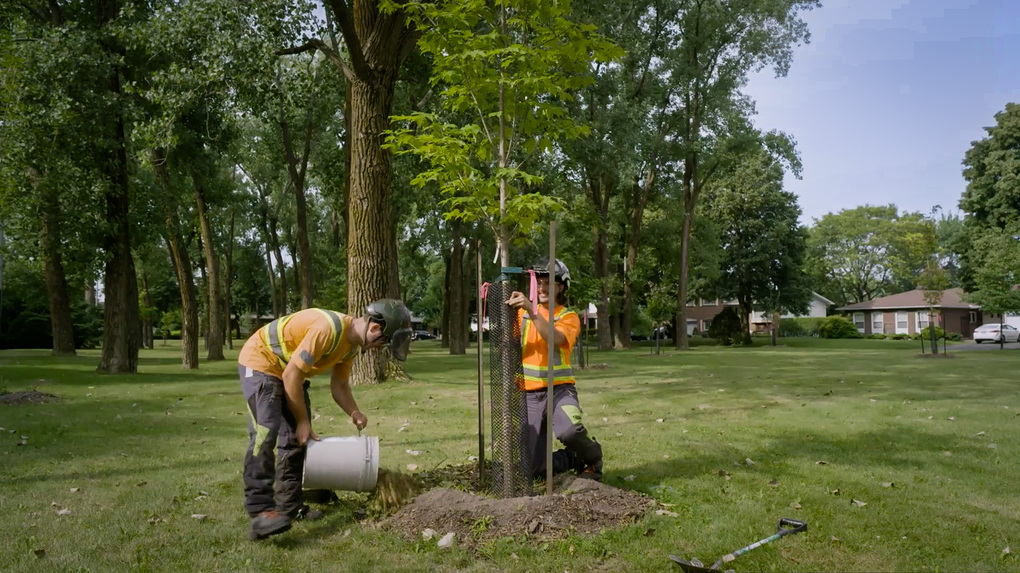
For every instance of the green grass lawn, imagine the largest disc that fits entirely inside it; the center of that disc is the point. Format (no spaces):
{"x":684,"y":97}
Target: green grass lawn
{"x":134,"y":457}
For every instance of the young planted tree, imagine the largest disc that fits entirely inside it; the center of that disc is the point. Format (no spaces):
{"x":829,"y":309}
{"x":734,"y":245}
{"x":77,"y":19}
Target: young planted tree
{"x":505,"y":72}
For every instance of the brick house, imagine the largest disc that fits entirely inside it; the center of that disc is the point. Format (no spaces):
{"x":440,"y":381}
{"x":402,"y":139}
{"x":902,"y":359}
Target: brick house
{"x":700,"y":313}
{"x":907,"y":313}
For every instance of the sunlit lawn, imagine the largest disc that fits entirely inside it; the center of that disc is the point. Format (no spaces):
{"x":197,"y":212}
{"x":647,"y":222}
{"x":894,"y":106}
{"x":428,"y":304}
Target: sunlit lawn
{"x":930,"y":446}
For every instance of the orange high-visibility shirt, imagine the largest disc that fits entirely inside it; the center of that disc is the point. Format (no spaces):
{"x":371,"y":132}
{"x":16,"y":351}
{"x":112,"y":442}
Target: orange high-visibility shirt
{"x":313,"y":339}
{"x":535,"y":348}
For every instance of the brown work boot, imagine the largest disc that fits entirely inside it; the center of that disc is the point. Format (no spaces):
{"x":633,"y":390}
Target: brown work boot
{"x":269,"y":522}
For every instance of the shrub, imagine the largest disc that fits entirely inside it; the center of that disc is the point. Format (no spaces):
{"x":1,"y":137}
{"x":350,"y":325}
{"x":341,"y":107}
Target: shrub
{"x":926,"y":332}
{"x":725,"y":326}
{"x":954,"y":337}
{"x":899,"y":336}
{"x":876,"y":336}
{"x":838,"y":327}
{"x":803,"y":326}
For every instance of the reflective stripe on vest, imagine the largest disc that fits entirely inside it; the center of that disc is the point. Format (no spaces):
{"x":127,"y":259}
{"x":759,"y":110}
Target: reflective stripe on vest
{"x":272,"y":335}
{"x":560,"y":365}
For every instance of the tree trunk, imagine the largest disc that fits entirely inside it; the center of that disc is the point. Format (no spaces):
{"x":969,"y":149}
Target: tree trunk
{"x":56,"y":281}
{"x":369,"y":229}
{"x":274,"y":241}
{"x":147,"y":323}
{"x":445,"y":319}
{"x":745,"y":322}
{"x":600,"y":191}
{"x":455,"y":286}
{"x":182,"y":264}
{"x":468,"y":281}
{"x":775,"y":328}
{"x":90,"y":292}
{"x":640,"y":194}
{"x":228,"y":280}
{"x":296,"y":168}
{"x":212,"y":265}
{"x":272,"y":282}
{"x":120,"y":285}
{"x":291,"y":244}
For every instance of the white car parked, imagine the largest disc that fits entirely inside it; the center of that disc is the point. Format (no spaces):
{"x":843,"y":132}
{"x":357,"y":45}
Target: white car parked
{"x":996,"y":333}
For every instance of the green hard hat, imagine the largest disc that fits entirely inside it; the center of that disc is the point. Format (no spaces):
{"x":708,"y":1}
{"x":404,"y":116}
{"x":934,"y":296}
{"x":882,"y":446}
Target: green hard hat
{"x":396,"y":322}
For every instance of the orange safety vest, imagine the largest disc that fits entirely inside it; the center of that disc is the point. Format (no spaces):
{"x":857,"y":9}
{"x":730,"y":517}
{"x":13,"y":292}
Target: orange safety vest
{"x":536,"y":355}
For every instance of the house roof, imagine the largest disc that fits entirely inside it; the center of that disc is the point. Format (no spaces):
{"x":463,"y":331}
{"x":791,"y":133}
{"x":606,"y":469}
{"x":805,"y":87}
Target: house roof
{"x":822,"y":298}
{"x":951,"y":298}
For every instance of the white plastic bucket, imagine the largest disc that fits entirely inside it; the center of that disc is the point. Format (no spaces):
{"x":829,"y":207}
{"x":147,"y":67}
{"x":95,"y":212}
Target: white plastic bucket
{"x":348,"y":463}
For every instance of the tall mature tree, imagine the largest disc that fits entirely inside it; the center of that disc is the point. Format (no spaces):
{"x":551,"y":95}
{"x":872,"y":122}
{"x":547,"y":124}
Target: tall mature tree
{"x":377,"y":42}
{"x":865,"y":252}
{"x":996,"y":261}
{"x":717,"y":44}
{"x":992,"y":171}
{"x":763,"y":241}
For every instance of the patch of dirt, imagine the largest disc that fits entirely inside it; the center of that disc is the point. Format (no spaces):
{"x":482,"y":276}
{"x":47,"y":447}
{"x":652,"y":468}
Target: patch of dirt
{"x":577,"y":505}
{"x":939,"y":355}
{"x":30,"y":397}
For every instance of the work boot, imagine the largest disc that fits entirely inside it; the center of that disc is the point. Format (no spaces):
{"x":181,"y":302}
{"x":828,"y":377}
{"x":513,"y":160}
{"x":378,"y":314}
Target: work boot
{"x":269,"y":522}
{"x":593,"y":471}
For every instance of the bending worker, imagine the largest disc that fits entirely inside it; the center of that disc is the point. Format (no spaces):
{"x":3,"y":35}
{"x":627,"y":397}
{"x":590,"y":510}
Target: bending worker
{"x":275,"y":365}
{"x":582,"y":453}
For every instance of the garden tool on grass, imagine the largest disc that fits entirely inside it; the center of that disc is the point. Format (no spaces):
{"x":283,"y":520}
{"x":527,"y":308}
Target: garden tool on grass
{"x":786,"y":527}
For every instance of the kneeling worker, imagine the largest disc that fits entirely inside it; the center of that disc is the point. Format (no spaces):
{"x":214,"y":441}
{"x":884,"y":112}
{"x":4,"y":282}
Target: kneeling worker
{"x":582,"y":453}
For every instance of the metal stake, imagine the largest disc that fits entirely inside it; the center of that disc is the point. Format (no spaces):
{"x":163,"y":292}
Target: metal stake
{"x":549,"y":426}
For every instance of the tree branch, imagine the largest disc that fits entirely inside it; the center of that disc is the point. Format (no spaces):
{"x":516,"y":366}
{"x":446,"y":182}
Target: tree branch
{"x":343,"y":17}
{"x":317,"y":44}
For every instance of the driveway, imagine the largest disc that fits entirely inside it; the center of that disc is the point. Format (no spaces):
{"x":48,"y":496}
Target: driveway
{"x":985,"y":346}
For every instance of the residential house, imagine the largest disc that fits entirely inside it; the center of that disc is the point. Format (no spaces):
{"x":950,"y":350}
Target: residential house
{"x":818,"y":308}
{"x":907,"y":313}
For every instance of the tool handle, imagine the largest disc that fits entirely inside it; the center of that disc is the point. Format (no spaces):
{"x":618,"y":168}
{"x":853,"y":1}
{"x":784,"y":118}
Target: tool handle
{"x":794,"y":526}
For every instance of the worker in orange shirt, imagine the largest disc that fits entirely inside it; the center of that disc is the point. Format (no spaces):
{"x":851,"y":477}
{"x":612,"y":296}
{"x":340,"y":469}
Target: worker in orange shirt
{"x":275,"y":365}
{"x":582,"y":453}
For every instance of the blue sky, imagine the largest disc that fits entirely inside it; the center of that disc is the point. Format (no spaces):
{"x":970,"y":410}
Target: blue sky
{"x":888,"y":96}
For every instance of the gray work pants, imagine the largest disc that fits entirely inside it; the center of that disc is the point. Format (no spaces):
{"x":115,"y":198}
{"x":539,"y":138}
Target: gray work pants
{"x":567,"y":427}
{"x":274,"y":463}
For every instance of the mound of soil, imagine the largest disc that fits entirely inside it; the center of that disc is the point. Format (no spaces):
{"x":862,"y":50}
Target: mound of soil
{"x":30,"y":397}
{"x":579,"y":505}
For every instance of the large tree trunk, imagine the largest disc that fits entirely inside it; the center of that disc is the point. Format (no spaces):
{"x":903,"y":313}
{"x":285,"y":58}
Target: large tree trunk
{"x":377,"y":44}
{"x":53,"y":267}
{"x":212,"y":264}
{"x":369,"y":229}
{"x":182,"y":264}
{"x":228,"y":280}
{"x":455,"y":285}
{"x":120,"y":285}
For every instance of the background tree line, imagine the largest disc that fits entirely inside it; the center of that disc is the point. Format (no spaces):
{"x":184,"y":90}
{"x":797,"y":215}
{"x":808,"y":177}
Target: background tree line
{"x":166,"y":166}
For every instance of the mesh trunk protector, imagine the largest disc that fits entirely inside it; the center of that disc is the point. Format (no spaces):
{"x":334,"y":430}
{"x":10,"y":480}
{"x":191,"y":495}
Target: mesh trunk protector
{"x":511,"y":463}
